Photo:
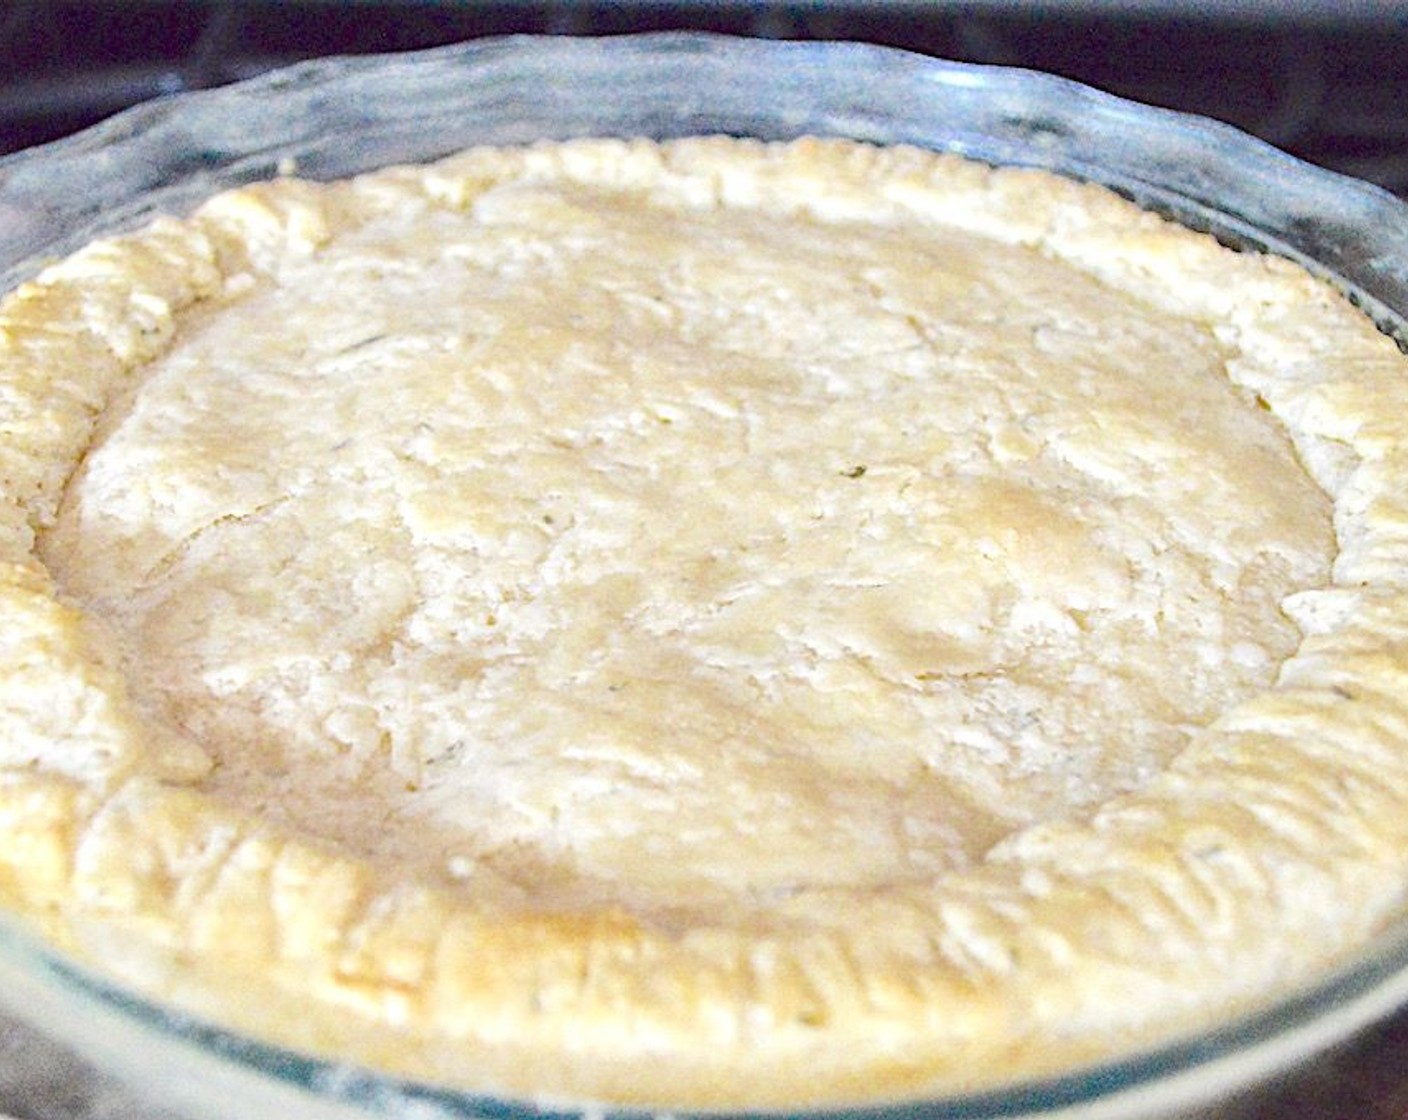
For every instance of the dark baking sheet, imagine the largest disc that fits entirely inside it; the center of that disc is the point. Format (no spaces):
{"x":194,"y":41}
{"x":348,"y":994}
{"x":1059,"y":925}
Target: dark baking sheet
{"x":1367,"y":1080}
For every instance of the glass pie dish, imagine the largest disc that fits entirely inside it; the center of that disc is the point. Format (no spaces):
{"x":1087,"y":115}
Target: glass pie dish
{"x":331,"y":119}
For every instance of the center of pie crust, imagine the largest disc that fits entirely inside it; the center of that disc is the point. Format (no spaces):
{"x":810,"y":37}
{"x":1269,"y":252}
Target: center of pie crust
{"x":580,"y":547}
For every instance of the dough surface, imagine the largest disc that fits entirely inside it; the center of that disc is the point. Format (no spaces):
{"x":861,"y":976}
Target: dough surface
{"x":626,"y":615}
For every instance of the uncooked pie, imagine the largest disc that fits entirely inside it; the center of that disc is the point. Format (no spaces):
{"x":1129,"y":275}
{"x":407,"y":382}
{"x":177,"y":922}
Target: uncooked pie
{"x":701,"y":624}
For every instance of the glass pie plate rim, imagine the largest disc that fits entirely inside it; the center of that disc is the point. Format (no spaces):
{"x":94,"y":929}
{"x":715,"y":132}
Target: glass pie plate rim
{"x":337,"y":116}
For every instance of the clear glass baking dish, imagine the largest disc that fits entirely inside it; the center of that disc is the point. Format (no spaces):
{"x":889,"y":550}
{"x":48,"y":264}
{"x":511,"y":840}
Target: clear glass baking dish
{"x":336,"y":117}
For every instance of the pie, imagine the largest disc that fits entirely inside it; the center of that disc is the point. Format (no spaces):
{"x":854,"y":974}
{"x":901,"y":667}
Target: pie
{"x":704,"y":624}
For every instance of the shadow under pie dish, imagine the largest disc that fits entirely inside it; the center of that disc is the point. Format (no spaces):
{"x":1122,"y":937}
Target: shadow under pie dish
{"x":790,"y":621}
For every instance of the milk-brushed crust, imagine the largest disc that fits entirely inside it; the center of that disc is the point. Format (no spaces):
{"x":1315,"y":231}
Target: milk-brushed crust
{"x":1266,"y":843}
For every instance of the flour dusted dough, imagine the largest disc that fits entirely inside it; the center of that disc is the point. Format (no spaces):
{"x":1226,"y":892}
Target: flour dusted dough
{"x":702,"y":624}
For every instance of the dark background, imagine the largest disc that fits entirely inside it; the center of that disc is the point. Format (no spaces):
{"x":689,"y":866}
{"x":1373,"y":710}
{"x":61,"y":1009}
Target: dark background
{"x":1324,"y":79}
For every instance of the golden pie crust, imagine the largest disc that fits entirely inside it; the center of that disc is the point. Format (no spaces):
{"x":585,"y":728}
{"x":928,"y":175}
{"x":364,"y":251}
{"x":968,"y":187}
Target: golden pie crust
{"x":705,"y":624}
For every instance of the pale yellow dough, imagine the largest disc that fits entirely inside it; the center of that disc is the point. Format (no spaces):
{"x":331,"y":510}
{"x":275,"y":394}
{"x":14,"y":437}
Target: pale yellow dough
{"x":705,"y":624}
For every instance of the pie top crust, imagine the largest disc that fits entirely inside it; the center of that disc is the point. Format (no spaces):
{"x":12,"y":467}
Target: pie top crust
{"x":709,"y":624}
